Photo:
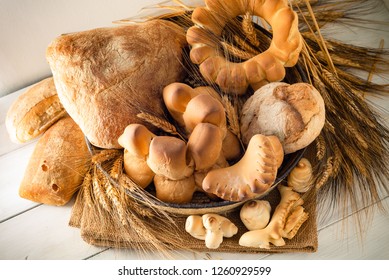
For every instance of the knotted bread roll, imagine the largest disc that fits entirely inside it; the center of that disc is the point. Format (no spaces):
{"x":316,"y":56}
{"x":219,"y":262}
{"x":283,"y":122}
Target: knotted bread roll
{"x":266,"y":67}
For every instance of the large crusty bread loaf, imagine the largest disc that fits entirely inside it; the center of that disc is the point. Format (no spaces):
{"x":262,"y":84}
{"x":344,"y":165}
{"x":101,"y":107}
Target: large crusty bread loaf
{"x":106,"y":76}
{"x":34,"y":111}
{"x":57,"y":166}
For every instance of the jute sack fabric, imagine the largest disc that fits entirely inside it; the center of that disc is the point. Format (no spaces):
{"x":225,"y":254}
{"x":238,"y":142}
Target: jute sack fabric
{"x":111,"y":236}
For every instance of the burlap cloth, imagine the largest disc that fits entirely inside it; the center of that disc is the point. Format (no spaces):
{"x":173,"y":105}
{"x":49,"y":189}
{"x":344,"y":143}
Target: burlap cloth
{"x":305,"y":241}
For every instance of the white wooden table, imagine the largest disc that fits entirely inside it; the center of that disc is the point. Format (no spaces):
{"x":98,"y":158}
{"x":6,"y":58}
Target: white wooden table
{"x":34,"y":231}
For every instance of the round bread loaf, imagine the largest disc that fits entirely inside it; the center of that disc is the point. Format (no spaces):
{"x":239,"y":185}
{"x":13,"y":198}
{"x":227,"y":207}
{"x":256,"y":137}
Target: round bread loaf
{"x":294,"y":113}
{"x":105,"y":77}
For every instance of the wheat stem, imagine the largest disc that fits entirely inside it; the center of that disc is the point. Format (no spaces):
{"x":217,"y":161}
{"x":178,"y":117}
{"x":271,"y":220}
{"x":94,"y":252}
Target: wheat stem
{"x":322,"y":41}
{"x":160,"y":123}
{"x":248,"y":29}
{"x":327,"y":172}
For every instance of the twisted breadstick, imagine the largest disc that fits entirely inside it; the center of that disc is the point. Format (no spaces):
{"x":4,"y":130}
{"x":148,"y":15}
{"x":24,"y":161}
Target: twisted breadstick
{"x":266,"y":67}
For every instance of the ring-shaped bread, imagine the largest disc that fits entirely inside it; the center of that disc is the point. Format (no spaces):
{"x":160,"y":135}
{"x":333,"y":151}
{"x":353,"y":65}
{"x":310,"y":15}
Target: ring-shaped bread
{"x":267,"y":66}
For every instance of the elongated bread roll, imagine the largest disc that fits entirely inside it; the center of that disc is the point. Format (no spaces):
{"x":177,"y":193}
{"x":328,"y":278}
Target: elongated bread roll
{"x":57,"y":166}
{"x":34,"y":111}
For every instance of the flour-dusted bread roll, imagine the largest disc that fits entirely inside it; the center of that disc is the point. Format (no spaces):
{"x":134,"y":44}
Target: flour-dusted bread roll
{"x":294,"y":113}
{"x":34,"y":111}
{"x":106,"y":76}
{"x":57,"y":166}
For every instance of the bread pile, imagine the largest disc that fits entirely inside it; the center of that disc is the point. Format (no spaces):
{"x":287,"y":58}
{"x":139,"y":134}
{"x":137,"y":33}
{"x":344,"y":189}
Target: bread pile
{"x":104,"y":78}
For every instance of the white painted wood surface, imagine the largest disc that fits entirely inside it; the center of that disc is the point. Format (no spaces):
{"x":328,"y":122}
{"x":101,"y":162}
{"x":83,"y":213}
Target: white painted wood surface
{"x":33,"y":231}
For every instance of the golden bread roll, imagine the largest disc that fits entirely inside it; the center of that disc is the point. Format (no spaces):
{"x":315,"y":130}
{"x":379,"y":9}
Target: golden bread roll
{"x":57,"y":166}
{"x":174,"y":191}
{"x":136,"y":140}
{"x":265,"y":67}
{"x":34,"y":111}
{"x":105,"y":77}
{"x":252,"y":175}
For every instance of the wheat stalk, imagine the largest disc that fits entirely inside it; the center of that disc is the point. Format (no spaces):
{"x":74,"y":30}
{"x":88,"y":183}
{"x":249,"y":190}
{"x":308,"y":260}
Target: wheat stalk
{"x":236,"y":52}
{"x":99,"y":190}
{"x":355,"y":134}
{"x":117,"y":168}
{"x":337,"y":60}
{"x":113,"y":195}
{"x":326,"y":173}
{"x":232,"y":116}
{"x":242,"y":43}
{"x":320,"y":147}
{"x":104,"y":155}
{"x":337,"y":159}
{"x":249,"y":30}
{"x":162,"y":124}
{"x":127,"y":183}
{"x":86,"y":189}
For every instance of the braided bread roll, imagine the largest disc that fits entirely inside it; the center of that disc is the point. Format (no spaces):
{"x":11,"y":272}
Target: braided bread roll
{"x":266,"y":67}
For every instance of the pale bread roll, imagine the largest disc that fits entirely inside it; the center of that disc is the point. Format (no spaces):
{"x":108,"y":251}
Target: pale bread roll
{"x":34,"y":111}
{"x":106,"y":76}
{"x":294,"y":113}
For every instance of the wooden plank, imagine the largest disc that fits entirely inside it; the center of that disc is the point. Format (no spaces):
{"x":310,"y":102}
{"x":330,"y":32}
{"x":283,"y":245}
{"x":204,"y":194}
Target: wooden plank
{"x":12,"y":166}
{"x":43,"y":233}
{"x":129,"y":254}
